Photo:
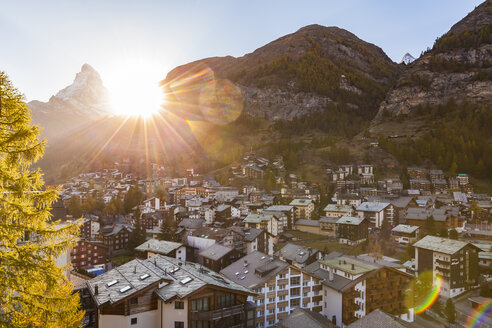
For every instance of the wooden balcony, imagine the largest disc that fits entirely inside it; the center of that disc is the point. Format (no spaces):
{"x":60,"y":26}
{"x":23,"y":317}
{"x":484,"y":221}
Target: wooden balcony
{"x":218,"y":314}
{"x":284,"y":281}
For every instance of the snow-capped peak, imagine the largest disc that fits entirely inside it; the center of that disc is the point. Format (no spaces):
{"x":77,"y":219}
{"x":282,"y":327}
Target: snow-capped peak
{"x":407,"y":59}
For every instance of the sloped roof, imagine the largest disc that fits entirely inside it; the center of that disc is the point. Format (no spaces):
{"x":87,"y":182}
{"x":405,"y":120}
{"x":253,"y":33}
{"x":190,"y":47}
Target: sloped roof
{"x":215,"y":252}
{"x":170,"y":272}
{"x":372,"y":206}
{"x":378,"y":319}
{"x":163,"y":247}
{"x":304,"y":318}
{"x":338,"y":208}
{"x":405,"y":228}
{"x":297,"y":253}
{"x":350,"y":220}
{"x":441,"y":245}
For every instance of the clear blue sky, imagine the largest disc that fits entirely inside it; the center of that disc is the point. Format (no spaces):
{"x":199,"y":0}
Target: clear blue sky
{"x":44,"y":43}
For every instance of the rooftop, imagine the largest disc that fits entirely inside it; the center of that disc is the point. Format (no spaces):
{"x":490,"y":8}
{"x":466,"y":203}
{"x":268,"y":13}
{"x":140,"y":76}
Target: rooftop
{"x":172,"y":278}
{"x":378,"y":319}
{"x":441,"y":245}
{"x":163,"y":247}
{"x":257,"y":218}
{"x":350,"y":265}
{"x":215,"y":252}
{"x":254,"y":269}
{"x":300,"y":202}
{"x":304,"y":318}
{"x":299,"y":254}
{"x":405,"y":228}
{"x":372,"y":206}
{"x":338,"y":208}
{"x":350,"y":220}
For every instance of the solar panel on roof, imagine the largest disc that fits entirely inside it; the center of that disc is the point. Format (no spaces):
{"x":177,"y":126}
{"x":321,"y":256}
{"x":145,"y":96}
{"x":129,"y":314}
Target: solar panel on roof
{"x":186,"y":280}
{"x":112,"y":283}
{"x":124,"y":289}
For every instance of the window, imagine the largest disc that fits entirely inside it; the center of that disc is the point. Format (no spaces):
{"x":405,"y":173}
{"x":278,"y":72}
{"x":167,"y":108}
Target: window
{"x":295,"y":280}
{"x":271,"y":288}
{"x":199,"y":324}
{"x":200,"y":304}
{"x":226,"y":300}
{"x":179,"y":305}
{"x":134,"y":300}
{"x":281,"y":298}
{"x":133,"y":321}
{"x":271,"y":299}
{"x":295,"y":291}
{"x":179,"y":324}
{"x":295,"y":302}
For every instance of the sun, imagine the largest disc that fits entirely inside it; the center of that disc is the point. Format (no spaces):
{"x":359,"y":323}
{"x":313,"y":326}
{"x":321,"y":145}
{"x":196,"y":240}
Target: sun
{"x":134,"y":89}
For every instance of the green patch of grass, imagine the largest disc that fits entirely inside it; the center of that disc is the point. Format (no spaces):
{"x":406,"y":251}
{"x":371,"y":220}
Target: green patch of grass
{"x":482,"y":185}
{"x":121,"y":259}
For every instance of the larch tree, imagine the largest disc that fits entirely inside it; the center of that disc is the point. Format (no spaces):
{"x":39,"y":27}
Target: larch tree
{"x":34,"y":292}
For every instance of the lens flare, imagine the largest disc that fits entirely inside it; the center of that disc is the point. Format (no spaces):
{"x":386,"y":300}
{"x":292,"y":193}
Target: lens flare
{"x":478,"y":316}
{"x":431,"y":297}
{"x":221,"y":102}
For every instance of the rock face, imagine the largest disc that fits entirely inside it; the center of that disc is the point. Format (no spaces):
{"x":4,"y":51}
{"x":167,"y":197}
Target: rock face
{"x":458,"y":70}
{"x":84,"y":100}
{"x":275,"y":84}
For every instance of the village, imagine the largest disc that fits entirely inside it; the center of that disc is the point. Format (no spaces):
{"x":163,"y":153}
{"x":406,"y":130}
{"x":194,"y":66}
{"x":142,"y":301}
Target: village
{"x":295,"y":249}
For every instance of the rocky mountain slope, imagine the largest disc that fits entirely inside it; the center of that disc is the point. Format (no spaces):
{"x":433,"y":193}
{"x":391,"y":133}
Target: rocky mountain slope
{"x":458,"y":66}
{"x":294,"y":75}
{"x":86,"y":99}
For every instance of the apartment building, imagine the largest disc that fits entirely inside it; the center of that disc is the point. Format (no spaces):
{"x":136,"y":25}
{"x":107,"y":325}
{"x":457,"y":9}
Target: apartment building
{"x":455,"y":261}
{"x":354,"y":287}
{"x":303,"y":208}
{"x":88,"y":253}
{"x":280,"y":287}
{"x":376,"y":212}
{"x":164,"y":292}
{"x":268,"y":222}
{"x":337,"y":211}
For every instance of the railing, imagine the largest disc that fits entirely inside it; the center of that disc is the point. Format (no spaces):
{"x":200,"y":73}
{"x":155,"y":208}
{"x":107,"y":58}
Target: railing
{"x":218,"y":314}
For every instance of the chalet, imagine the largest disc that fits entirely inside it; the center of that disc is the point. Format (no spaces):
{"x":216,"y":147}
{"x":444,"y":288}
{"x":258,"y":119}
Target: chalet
{"x":280,"y":287}
{"x":440,"y":186}
{"x":436,"y":174}
{"x":443,"y":217}
{"x":88,"y":254}
{"x":376,"y":212}
{"x":257,"y":240}
{"x":365,"y":169}
{"x":115,"y":237}
{"x":288,"y":210}
{"x":423,"y":185}
{"x":298,"y":256}
{"x":267,"y":222}
{"x":417,"y":173}
{"x":352,"y":230}
{"x":165,"y":292}
{"x":349,"y":199}
{"x":303,"y":208}
{"x":455,"y":261}
{"x":163,"y":247}
{"x":405,"y":234}
{"x":217,"y":257}
{"x":337,"y":211}
{"x":355,"y":287}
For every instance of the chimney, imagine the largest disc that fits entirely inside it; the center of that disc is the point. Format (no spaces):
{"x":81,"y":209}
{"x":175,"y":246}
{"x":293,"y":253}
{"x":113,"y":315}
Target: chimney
{"x":330,"y":275}
{"x":353,"y":266}
{"x":135,"y":269}
{"x":245,"y":263}
{"x":96,"y":290}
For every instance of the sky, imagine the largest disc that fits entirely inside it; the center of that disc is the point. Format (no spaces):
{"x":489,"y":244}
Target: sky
{"x":43,"y":44}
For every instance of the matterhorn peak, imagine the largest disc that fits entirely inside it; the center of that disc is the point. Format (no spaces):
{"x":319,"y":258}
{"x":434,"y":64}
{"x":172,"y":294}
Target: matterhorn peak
{"x":407,"y":59}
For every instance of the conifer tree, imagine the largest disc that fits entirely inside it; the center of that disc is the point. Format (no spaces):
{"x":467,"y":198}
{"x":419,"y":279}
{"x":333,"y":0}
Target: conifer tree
{"x":33,"y":290}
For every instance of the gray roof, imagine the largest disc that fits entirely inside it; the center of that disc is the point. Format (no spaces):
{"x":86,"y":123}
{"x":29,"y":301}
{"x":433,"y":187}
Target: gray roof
{"x":399,"y":202}
{"x":163,"y":247}
{"x":378,"y":319}
{"x":301,"y":202}
{"x":191,"y":223}
{"x":258,"y":218}
{"x":304,"y":318}
{"x":311,"y":223}
{"x":254,"y":269}
{"x":372,"y":207}
{"x":350,"y":220}
{"x":327,"y":219}
{"x":280,"y":208}
{"x":338,"y":208}
{"x":215,"y":252}
{"x":170,"y":272}
{"x":300,"y":254}
{"x":405,"y":228}
{"x":338,"y":283}
{"x":251,"y":234}
{"x":439,"y":214}
{"x":441,"y":245}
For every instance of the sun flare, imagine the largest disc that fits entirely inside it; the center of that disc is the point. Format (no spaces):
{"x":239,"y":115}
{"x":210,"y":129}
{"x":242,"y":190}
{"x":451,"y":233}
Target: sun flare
{"x":134,"y":90}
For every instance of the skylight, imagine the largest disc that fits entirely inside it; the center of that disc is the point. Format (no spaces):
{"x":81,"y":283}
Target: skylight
{"x":125,"y":289}
{"x":112,"y":283}
{"x":186,"y":280}
{"x":144,"y":276}
{"x":246,"y":271}
{"x":174,"y":269}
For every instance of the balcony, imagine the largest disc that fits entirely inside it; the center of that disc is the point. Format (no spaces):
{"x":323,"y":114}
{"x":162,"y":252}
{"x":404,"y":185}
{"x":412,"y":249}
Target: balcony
{"x":218,"y":314}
